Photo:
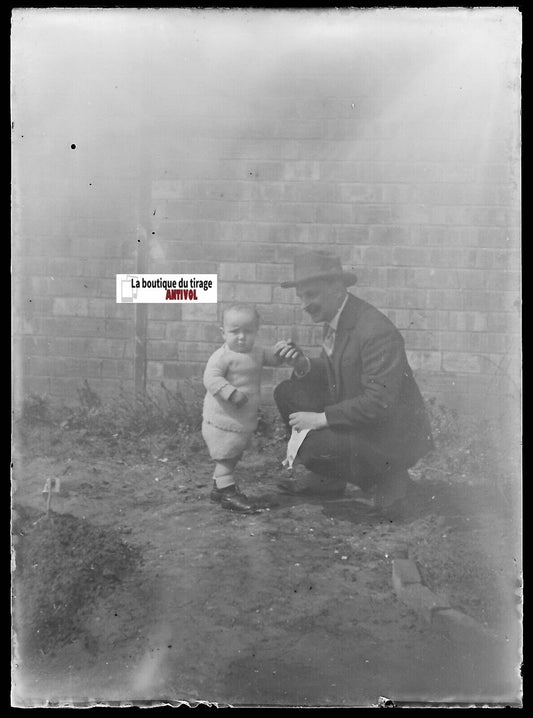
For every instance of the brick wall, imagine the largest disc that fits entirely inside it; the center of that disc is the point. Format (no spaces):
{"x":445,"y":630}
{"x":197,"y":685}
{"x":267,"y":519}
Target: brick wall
{"x":400,"y":156}
{"x":76,"y":209}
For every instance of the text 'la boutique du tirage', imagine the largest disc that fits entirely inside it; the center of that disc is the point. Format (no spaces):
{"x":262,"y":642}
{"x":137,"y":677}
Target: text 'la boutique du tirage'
{"x":161,"y":283}
{"x":154,"y":288}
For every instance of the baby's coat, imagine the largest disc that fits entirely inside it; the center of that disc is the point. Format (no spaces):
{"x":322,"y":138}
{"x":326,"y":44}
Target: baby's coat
{"x":226,"y":371}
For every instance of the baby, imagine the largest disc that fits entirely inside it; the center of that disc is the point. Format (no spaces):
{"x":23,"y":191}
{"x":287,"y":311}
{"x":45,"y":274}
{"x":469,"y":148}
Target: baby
{"x":232,"y":378}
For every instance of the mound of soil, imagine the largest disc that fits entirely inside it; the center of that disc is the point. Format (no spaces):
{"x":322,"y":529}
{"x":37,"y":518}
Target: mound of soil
{"x":64,"y":565}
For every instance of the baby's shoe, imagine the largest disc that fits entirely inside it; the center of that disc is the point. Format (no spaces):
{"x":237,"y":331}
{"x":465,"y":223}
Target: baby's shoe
{"x":231,"y":498}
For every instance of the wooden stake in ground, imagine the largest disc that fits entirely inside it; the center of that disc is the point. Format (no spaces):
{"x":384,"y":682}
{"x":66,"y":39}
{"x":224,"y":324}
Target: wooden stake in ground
{"x":47,"y":488}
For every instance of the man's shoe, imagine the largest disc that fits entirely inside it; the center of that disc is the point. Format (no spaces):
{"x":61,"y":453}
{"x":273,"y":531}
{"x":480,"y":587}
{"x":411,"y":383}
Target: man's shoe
{"x":391,"y":497}
{"x":310,"y":484}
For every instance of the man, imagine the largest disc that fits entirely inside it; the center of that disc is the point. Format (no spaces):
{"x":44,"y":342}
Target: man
{"x":359,"y":401}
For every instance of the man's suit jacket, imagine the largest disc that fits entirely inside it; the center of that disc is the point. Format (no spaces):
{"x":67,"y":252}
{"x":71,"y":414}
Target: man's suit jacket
{"x":372,"y":392}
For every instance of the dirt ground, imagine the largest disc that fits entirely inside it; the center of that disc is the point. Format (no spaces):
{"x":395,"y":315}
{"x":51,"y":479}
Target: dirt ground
{"x":292,"y":606}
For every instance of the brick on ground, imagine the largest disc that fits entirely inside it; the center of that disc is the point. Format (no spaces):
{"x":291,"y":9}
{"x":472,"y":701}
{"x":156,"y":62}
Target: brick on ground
{"x":404,"y":572}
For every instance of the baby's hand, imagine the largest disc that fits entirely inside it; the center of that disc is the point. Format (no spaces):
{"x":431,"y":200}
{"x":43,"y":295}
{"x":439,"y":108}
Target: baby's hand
{"x":288,"y":351}
{"x":238,"y":398}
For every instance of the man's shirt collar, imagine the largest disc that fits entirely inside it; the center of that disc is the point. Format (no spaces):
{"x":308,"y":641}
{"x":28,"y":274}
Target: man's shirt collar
{"x":333,"y":322}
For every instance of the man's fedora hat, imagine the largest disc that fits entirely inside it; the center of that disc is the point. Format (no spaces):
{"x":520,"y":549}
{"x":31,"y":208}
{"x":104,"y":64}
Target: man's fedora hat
{"x":318,"y":264}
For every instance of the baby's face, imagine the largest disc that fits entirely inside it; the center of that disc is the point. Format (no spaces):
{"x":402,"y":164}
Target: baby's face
{"x":239,"y":330}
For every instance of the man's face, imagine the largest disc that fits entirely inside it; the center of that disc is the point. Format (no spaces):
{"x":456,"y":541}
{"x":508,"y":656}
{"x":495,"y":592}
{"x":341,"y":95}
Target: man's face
{"x":239,"y":330}
{"x":321,"y":298}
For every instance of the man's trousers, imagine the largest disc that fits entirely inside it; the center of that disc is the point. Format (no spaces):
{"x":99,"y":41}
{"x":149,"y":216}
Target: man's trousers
{"x":329,"y":452}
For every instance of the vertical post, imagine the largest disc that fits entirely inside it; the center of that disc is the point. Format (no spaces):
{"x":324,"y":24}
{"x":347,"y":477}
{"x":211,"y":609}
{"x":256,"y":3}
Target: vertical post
{"x":141,"y":331}
{"x":141,"y":264}
{"x":143,"y":222}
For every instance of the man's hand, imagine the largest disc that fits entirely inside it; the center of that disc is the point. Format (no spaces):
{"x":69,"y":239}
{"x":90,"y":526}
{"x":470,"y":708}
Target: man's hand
{"x":301,"y":420}
{"x":238,"y":398}
{"x":291,"y":354}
